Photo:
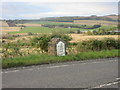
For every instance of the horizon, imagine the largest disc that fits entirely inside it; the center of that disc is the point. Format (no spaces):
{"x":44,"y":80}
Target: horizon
{"x":61,"y":16}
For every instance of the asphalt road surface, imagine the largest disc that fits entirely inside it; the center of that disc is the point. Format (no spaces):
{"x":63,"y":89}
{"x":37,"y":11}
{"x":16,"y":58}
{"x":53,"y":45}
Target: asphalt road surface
{"x":99,"y":73}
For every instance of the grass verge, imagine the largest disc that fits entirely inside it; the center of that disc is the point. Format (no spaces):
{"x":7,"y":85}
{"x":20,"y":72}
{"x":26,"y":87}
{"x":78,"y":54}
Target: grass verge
{"x":46,"y":59}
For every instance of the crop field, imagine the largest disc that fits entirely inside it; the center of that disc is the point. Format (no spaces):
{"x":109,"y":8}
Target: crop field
{"x":80,"y":37}
{"x":75,"y":37}
{"x":10,"y":29}
{"x":30,"y":25}
{"x":93,"y":22}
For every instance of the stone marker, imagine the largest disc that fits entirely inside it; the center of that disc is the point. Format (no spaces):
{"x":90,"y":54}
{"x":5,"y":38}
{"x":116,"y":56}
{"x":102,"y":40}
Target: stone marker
{"x":57,"y":47}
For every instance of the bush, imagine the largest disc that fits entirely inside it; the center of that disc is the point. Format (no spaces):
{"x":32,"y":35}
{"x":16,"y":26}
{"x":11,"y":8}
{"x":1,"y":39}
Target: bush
{"x":96,"y":26}
{"x":30,"y":33}
{"x":42,"y":41}
{"x":97,"y":45}
{"x":8,"y":36}
{"x":61,"y":35}
{"x":89,"y":33}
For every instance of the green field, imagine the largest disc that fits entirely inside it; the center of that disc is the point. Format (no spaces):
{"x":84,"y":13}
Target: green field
{"x":57,"y":23}
{"x":50,"y":30}
{"x":45,"y":30}
{"x":48,"y":22}
{"x":108,"y":27}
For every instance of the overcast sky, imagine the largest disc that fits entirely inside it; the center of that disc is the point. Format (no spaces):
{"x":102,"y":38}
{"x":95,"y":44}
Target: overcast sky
{"x":36,"y":10}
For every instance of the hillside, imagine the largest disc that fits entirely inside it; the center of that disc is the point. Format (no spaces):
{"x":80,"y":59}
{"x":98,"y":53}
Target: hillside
{"x":71,"y":19}
{"x":113,"y":18}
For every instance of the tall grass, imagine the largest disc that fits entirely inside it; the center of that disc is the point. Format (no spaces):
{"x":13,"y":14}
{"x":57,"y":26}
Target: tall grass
{"x":97,"y":45}
{"x":37,"y":59}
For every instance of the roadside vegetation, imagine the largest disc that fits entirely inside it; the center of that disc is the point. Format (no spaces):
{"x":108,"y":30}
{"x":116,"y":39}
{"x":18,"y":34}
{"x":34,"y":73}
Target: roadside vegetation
{"x":39,"y":44}
{"x":37,"y":59}
{"x":35,"y":50}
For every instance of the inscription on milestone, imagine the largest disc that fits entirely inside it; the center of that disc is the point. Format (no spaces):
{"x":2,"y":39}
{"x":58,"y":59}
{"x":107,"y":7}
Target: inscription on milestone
{"x":60,"y":48}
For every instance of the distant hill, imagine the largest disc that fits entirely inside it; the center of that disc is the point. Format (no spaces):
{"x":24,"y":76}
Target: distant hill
{"x":113,"y":18}
{"x":72,"y":18}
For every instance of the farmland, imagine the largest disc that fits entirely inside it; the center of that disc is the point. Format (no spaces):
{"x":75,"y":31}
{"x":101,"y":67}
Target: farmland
{"x":29,"y":25}
{"x":50,"y":30}
{"x":38,"y":28}
{"x":92,"y":22}
{"x":75,"y":37}
{"x":33,"y":38}
{"x":49,"y":22}
{"x":10,"y":29}
{"x":44,"y":30}
{"x":79,"y":22}
{"x":81,"y":37}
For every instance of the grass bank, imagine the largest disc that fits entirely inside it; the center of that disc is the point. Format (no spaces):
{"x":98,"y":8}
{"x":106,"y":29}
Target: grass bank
{"x":46,"y":59}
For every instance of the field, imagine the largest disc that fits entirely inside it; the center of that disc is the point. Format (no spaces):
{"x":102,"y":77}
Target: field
{"x":30,"y":25}
{"x":75,"y":37}
{"x":82,"y":22}
{"x":93,"y":22}
{"x":50,"y":30}
{"x":80,"y":37}
{"x":10,"y":29}
{"x":45,"y":30}
{"x":35,"y":27}
{"x":50,"y":22}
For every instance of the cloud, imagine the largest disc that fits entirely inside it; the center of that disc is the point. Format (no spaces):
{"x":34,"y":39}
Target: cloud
{"x":46,"y":1}
{"x":38,"y":10}
{"x":87,"y":8}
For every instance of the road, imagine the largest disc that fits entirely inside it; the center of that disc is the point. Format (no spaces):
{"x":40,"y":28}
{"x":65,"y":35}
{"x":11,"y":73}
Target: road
{"x":100,"y":73}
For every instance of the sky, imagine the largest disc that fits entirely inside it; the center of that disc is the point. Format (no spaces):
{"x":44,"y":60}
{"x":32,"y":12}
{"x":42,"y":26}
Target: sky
{"x":37,"y":10}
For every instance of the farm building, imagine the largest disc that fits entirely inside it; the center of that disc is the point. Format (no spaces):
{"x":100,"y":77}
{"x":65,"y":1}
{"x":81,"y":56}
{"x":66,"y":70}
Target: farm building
{"x":8,"y":27}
